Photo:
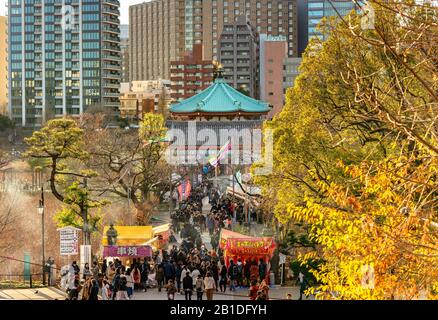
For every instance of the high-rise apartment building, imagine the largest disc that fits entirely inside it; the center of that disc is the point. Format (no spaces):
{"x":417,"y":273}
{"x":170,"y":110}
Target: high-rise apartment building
{"x":3,"y":65}
{"x":239,"y":56}
{"x":191,"y":75}
{"x":318,"y":9}
{"x":156,"y":36}
{"x":163,"y":30}
{"x":64,"y":58}
{"x":124,"y":48}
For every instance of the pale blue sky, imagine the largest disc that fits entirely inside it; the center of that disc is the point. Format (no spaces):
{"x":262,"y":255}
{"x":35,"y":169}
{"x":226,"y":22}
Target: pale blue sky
{"x":123,"y":3}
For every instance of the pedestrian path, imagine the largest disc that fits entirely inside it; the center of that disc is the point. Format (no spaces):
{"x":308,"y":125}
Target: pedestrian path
{"x":32,"y":294}
{"x":275,"y":293}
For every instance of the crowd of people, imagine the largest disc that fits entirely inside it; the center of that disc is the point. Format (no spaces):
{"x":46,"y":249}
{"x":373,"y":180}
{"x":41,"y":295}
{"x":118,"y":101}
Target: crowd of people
{"x":187,"y":268}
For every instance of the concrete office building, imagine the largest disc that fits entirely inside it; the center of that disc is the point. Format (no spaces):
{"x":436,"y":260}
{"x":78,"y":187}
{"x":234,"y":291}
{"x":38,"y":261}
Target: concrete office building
{"x":63,"y":58}
{"x":273,"y":52}
{"x":239,"y":56}
{"x":291,"y":72}
{"x":3,"y":65}
{"x":190,"y":75}
{"x":163,"y":30}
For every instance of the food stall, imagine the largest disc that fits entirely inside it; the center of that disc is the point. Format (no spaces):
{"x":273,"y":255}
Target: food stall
{"x":238,"y":246}
{"x":128,"y":242}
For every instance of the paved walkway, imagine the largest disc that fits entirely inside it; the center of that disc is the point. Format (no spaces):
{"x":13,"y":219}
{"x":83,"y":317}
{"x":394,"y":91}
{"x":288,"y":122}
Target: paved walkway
{"x":32,"y":294}
{"x":275,"y":293}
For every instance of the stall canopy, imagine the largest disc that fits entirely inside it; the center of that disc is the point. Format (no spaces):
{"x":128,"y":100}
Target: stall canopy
{"x":236,"y":245}
{"x":136,"y":241}
{"x":130,"y":235}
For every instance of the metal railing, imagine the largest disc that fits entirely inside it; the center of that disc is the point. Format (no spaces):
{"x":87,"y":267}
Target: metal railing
{"x":35,"y":278}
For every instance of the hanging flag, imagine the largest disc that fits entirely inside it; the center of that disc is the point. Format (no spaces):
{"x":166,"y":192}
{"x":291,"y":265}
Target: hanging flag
{"x":214,"y":161}
{"x":184,"y":190}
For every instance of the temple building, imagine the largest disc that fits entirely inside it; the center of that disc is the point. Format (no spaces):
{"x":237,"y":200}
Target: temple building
{"x":218,"y":117}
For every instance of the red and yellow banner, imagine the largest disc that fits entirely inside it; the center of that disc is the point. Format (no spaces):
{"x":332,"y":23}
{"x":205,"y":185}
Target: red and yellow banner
{"x":236,"y":244}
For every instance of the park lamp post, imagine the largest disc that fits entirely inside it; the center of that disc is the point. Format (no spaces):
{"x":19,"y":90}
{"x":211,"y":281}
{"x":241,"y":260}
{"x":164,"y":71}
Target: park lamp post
{"x":40,"y":209}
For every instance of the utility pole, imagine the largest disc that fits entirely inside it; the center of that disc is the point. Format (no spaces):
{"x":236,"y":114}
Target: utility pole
{"x":41,"y":209}
{"x":84,"y":208}
{"x":129,"y":197}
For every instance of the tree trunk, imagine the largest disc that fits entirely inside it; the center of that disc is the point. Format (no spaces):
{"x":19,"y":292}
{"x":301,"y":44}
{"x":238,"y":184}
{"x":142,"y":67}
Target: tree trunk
{"x":144,"y":212}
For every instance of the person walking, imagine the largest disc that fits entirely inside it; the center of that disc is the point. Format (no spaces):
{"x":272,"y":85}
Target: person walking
{"x":215,"y":273}
{"x":210,"y":286}
{"x":302,"y":281}
{"x":223,"y":279}
{"x":87,"y":272}
{"x":188,"y":286}
{"x":199,"y":286}
{"x":86,"y":289}
{"x":169,"y":271}
{"x":239,"y":273}
{"x":171,"y":290}
{"x":253,"y":290}
{"x":265,"y":288}
{"x":195,"y":274}
{"x":115,"y":284}
{"x":144,"y":274}
{"x":106,"y":290}
{"x":122,"y":292}
{"x":129,"y":283}
{"x":232,"y":274}
{"x":95,"y":270}
{"x":262,"y":270}
{"x":178,"y":272}
{"x":136,"y":276}
{"x":159,"y":276}
{"x":104,"y":267}
{"x":111,"y":273}
{"x":94,"y":290}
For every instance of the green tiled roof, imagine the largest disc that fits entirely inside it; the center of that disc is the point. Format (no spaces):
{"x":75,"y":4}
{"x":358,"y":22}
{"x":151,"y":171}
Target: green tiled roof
{"x":220,"y":98}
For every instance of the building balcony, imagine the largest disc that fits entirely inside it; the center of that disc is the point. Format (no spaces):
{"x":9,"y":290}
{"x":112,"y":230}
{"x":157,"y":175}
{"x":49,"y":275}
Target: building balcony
{"x":111,"y":95}
{"x":107,"y":75}
{"x":110,"y":48}
{"x":109,"y":66}
{"x":111,"y":28}
{"x":112,"y":2}
{"x":111,"y":58}
{"x":110,"y":38}
{"x":109,"y":10}
{"x":111,"y":85}
{"x":110,"y":19}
